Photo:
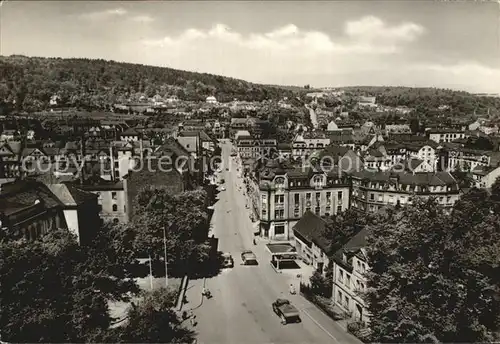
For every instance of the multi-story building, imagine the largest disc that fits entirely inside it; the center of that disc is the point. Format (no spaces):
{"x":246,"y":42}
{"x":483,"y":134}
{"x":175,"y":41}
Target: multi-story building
{"x":485,"y":176}
{"x":111,"y":197}
{"x":350,"y":265}
{"x":287,"y":194}
{"x":467,"y":159}
{"x":374,"y":190}
{"x":311,"y":245}
{"x":254,"y":148}
{"x":308,"y":143}
{"x":445,"y":135}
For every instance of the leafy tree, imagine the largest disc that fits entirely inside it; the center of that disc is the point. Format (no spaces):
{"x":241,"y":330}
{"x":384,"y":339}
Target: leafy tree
{"x":320,"y":285}
{"x":184,"y":217}
{"x":54,"y":290}
{"x":153,"y":320}
{"x":434,"y":274}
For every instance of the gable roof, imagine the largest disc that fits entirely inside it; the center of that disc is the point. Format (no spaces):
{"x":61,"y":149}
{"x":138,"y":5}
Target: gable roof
{"x":309,"y":228}
{"x":69,"y":195}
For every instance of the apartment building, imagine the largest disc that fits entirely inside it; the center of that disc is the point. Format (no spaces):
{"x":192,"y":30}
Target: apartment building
{"x":445,"y":135}
{"x":350,"y":264}
{"x":467,"y":159}
{"x":250,"y":147}
{"x":287,"y":194}
{"x":308,"y":143}
{"x":374,"y":190}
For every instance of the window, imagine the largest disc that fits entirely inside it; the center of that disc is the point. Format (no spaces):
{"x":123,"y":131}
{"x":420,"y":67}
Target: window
{"x":317,"y":210}
{"x":115,"y":207}
{"x":279,"y":214}
{"x":341,"y":276}
{"x":448,"y":199}
{"x":339,"y":297}
{"x":279,"y":230}
{"x":346,"y":301}
{"x":296,"y":199}
{"x":372,"y":197}
{"x":318,"y":197}
{"x":264,"y":212}
{"x":308,"y":197}
{"x":264,"y":199}
{"x":348,"y":283}
{"x":296,"y":212}
{"x":339,"y":209}
{"x":279,"y":199}
{"x":113,"y":195}
{"x":328,"y":197}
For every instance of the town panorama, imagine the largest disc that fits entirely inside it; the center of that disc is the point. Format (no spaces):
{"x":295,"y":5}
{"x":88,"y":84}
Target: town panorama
{"x":231,"y":180}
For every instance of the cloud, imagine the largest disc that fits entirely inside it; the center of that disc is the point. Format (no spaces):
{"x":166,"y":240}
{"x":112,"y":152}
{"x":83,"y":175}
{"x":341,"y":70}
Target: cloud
{"x":371,"y":28}
{"x":115,"y":12}
{"x":369,"y":35}
{"x":143,"y":19}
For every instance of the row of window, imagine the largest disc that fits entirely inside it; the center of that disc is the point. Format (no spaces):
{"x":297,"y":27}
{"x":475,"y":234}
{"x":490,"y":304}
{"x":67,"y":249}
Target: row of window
{"x":347,"y":281}
{"x":280,"y":199}
{"x":279,"y":214}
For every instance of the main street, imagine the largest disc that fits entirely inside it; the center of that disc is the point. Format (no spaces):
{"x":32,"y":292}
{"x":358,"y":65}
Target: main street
{"x":240,"y":309}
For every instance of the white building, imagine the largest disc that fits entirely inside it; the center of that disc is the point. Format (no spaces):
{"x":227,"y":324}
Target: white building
{"x":211,"y":100}
{"x":484,"y":176}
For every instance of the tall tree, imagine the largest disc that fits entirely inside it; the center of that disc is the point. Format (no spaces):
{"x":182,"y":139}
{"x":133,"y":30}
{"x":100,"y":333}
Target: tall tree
{"x":54,"y":290}
{"x":183,"y":217}
{"x":153,"y":320}
{"x":434,"y":274}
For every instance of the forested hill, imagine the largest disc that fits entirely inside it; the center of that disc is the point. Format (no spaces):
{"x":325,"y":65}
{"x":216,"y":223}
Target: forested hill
{"x":426,"y":98}
{"x":31,"y":81}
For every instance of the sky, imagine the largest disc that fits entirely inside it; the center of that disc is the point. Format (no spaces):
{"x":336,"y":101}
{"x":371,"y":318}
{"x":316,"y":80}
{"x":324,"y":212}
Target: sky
{"x":326,"y":43}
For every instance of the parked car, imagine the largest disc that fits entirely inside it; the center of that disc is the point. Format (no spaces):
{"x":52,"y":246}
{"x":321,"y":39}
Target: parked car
{"x":249,"y":258}
{"x":286,"y":311}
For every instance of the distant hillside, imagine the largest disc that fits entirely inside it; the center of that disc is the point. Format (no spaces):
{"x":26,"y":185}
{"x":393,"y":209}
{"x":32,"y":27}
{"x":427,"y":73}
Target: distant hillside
{"x":31,"y":81}
{"x":425,"y":99}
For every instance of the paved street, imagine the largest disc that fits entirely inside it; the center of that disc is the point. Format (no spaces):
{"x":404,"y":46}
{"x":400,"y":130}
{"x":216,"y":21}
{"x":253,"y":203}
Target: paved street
{"x":240,"y":310}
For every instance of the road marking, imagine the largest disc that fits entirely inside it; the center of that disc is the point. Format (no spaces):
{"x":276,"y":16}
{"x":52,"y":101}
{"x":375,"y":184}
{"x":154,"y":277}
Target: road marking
{"x":320,"y":326}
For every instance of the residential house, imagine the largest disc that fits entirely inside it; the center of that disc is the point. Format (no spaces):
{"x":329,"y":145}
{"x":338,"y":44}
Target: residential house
{"x":466,"y":159}
{"x":9,"y":135}
{"x":250,"y":147}
{"x":310,"y":242}
{"x":130,"y":135}
{"x":211,"y":100}
{"x":10,"y":159}
{"x":350,"y":264}
{"x":485,"y":176}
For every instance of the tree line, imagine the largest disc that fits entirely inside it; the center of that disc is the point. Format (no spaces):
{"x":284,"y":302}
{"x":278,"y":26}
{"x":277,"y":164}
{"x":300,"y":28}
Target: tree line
{"x":30,"y":82}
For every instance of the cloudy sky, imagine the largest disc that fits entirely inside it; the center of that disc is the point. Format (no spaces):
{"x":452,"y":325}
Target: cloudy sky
{"x":332,"y":43}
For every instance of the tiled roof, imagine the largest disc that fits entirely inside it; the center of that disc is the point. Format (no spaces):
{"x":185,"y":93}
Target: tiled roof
{"x":69,"y":195}
{"x":310,"y":227}
{"x":26,"y":193}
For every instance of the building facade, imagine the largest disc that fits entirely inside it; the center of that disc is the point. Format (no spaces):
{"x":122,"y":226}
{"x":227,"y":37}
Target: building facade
{"x":372,"y":191}
{"x":287,"y":194}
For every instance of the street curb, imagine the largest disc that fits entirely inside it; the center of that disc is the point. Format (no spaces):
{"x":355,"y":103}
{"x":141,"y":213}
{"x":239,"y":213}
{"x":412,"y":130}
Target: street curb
{"x":182,"y":293}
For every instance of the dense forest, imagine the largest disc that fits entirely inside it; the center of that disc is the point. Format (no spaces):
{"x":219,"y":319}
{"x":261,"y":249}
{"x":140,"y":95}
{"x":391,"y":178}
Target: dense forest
{"x":428,"y":100}
{"x":29,"y":82}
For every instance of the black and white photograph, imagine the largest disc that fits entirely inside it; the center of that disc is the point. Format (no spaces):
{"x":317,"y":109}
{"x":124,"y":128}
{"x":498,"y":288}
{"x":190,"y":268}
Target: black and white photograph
{"x":246,"y":172}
